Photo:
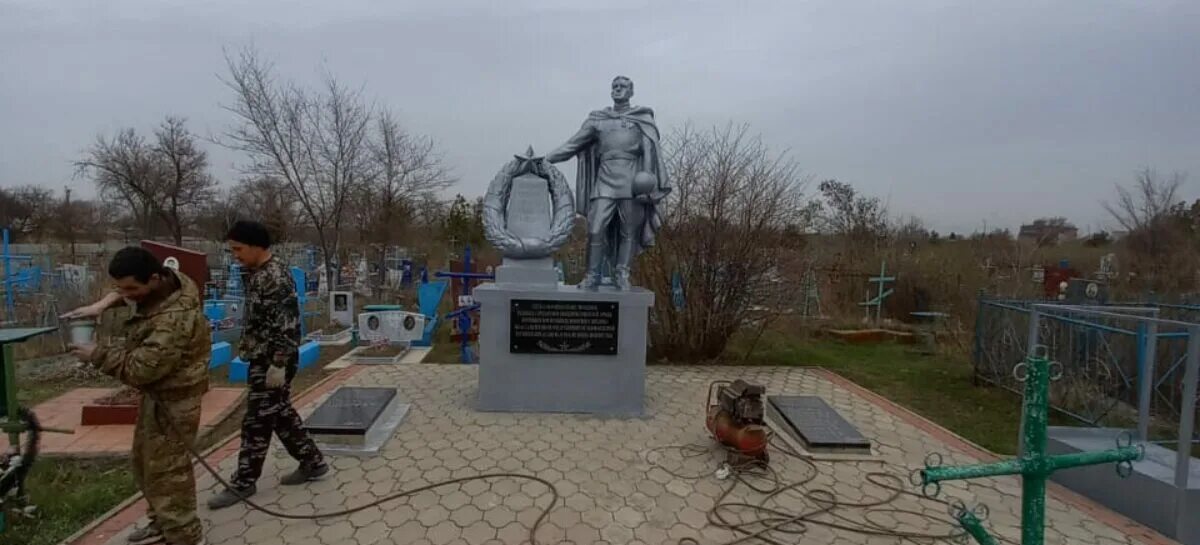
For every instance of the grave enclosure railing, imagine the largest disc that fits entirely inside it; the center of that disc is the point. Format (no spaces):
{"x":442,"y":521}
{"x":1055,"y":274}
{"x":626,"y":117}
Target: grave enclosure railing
{"x":1124,"y":366}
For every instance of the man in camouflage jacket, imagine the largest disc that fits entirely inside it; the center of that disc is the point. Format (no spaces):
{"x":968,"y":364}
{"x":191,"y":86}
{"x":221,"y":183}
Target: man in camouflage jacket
{"x":270,"y":344}
{"x":164,"y":353}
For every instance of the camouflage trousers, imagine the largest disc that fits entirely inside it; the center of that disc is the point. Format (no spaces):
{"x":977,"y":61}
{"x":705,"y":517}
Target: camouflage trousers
{"x":270,"y":412}
{"x":162,"y":467}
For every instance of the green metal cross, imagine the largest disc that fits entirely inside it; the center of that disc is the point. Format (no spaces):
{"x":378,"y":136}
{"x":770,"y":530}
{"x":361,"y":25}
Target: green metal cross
{"x":1034,"y":466}
{"x":877,"y":301}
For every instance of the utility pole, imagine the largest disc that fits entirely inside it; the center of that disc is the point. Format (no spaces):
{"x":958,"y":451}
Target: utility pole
{"x":66,"y":216}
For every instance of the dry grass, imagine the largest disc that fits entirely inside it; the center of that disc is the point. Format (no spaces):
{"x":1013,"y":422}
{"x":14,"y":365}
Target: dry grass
{"x":950,"y":276}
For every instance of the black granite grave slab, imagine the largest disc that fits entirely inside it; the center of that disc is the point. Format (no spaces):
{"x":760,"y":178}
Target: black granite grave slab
{"x":349,"y":411}
{"x":810,"y":420}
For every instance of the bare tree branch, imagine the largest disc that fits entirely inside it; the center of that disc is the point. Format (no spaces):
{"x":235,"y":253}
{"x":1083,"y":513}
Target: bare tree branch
{"x":166,"y":181}
{"x":316,"y":142}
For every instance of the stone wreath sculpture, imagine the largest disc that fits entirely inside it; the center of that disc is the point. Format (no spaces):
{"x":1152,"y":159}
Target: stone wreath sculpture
{"x":495,"y":205}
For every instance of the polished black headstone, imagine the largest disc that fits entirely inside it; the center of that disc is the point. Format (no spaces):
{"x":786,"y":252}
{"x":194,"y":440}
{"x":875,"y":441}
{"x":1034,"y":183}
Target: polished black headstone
{"x":817,"y":425}
{"x":349,"y":411}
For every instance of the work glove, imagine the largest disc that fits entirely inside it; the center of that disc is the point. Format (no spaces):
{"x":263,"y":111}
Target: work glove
{"x":276,"y":376}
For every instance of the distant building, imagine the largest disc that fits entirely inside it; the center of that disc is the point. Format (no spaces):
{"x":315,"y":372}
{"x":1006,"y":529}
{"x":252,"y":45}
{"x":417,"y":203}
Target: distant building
{"x":1048,"y":231}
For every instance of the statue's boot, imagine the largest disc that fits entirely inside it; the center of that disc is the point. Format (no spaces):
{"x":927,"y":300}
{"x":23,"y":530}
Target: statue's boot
{"x":624,"y":262}
{"x":592,"y":280}
{"x":622,"y":279}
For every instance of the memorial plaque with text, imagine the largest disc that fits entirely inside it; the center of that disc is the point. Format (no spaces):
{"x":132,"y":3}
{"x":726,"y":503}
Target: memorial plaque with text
{"x":563,"y":327}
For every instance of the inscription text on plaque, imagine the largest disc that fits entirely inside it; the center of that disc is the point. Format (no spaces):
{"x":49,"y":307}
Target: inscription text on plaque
{"x":563,"y":327}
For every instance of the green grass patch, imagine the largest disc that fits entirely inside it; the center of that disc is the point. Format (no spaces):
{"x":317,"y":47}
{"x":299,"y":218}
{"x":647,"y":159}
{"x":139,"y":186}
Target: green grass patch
{"x":445,"y":349}
{"x":936,"y":387}
{"x":69,"y":494}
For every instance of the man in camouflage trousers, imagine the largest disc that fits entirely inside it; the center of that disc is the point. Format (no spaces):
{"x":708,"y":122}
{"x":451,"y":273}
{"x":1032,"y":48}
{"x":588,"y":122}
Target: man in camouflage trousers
{"x":270,"y":344}
{"x":163,"y":353}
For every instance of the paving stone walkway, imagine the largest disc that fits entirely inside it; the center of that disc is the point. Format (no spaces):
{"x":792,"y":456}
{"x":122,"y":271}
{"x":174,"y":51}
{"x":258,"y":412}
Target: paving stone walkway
{"x":617,"y":486}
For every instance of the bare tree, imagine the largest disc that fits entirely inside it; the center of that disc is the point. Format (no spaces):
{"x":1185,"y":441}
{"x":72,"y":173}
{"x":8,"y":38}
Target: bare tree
{"x":405,"y":170}
{"x":124,"y":172}
{"x":735,"y":209}
{"x":213,"y":220}
{"x":1151,"y":213}
{"x":314,"y":141}
{"x":86,"y":220}
{"x":165,"y":181}
{"x":270,"y":201}
{"x":846,"y":213}
{"x":184,"y":182}
{"x":27,"y":210}
{"x":1149,"y":201}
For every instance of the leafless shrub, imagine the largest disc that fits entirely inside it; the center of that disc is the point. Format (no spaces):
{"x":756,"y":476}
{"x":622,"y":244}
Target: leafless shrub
{"x":736,"y":207}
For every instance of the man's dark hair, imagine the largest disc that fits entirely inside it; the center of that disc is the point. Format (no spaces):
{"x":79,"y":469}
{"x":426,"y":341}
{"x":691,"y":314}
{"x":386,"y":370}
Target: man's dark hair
{"x":250,"y":233}
{"x":136,"y":262}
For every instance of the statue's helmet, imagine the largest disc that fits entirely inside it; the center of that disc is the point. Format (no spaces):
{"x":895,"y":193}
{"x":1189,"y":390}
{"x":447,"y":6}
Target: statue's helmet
{"x":644,"y":183}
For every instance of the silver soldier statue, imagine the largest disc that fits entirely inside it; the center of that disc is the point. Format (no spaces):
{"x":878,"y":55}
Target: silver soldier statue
{"x":620,"y":184}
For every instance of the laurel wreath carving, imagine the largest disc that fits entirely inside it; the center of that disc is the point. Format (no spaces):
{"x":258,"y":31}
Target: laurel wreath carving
{"x":496,"y":201}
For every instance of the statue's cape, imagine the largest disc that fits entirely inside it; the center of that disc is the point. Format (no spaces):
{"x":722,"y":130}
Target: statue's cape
{"x":588,"y":161}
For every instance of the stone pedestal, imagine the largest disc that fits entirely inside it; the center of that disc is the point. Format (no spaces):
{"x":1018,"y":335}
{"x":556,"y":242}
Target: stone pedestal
{"x":525,"y":272}
{"x":547,"y":347}
{"x":1148,"y":495}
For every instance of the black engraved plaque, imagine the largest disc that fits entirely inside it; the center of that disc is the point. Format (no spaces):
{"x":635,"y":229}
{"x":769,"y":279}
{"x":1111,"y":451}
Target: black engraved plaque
{"x":563,"y":327}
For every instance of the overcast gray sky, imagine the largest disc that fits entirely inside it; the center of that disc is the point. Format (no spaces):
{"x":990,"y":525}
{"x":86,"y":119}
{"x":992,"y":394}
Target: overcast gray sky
{"x":959,"y":112}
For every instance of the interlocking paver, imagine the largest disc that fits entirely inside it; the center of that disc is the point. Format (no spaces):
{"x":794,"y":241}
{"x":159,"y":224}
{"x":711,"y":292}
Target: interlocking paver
{"x":340,"y":532}
{"x":478,"y":533}
{"x":407,"y":532}
{"x":580,"y":502}
{"x":433,"y":515}
{"x":455,"y":499}
{"x":582,"y":533}
{"x":466,"y":515}
{"x":615,"y":533}
{"x":443,"y":533}
{"x":609,"y":492}
{"x":598,"y":517}
{"x":373,"y":533}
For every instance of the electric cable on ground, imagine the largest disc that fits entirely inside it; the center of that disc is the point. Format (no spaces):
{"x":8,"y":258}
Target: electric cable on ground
{"x":386,"y":499}
{"x":771,"y":520}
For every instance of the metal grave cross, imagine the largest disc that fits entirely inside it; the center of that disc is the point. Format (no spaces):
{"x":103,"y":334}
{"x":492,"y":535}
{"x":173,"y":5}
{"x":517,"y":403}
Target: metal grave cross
{"x":1034,"y":465}
{"x":812,"y":294}
{"x":877,"y":301}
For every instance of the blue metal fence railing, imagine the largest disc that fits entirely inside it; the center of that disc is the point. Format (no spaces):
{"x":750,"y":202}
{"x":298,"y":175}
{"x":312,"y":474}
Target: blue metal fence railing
{"x":1124,"y":364}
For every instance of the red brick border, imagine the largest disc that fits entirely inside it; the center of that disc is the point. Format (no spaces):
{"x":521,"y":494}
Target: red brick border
{"x":1114,"y":520}
{"x":134,"y":508}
